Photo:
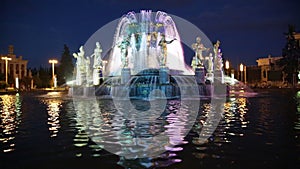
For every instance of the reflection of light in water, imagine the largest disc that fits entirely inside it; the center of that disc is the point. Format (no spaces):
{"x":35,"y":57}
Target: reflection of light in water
{"x":231,"y":125}
{"x":101,"y":123}
{"x":87,"y":112}
{"x":10,"y":116}
{"x":58,"y":94}
{"x":54,"y":104}
{"x":175,"y":126}
{"x":265,"y":121}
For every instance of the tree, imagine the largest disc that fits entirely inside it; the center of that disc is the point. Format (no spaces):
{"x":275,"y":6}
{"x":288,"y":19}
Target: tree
{"x":42,"y":77}
{"x":66,"y":67}
{"x":291,"y":56}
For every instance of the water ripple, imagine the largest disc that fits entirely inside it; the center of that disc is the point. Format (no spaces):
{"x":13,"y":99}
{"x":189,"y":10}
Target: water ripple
{"x":10,"y":117}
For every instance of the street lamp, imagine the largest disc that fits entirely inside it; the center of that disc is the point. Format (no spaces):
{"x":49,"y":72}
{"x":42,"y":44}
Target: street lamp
{"x":53,"y":61}
{"x":241,"y":70}
{"x":245,"y":74}
{"x":6,"y":65}
{"x":227,"y":66}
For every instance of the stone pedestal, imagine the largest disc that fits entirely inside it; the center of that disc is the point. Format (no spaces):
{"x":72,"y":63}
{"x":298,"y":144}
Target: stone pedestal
{"x":219,"y":76}
{"x":164,"y":77}
{"x":83,"y":79}
{"x":125,"y":75}
{"x":219,"y":88}
{"x":200,"y":75}
{"x":96,"y":77}
{"x":85,"y":91}
{"x":210,"y":77}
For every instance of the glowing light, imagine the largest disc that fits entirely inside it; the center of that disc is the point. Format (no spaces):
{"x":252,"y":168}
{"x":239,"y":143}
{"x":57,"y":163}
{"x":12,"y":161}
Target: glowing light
{"x":232,"y":78}
{"x":53,"y":61}
{"x":227,"y":64}
{"x":53,"y":113}
{"x":6,"y":61}
{"x":241,"y":67}
{"x":17,"y":83}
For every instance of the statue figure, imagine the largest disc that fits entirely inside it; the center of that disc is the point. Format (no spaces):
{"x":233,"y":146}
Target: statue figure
{"x":218,"y":56}
{"x":216,"y":48}
{"x":97,"y":56}
{"x":163,"y":44}
{"x":153,"y":39}
{"x":210,"y":67}
{"x":98,"y":63}
{"x":124,"y":51}
{"x":80,"y":65}
{"x":198,"y":47}
{"x":80,"y":59}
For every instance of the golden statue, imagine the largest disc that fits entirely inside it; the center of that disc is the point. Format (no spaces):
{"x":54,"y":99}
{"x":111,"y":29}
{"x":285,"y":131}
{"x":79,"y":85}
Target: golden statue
{"x":163,"y":44}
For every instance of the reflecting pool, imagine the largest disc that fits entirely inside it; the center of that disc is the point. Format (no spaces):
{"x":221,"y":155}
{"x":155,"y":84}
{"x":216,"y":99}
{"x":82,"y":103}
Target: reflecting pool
{"x":49,"y":130}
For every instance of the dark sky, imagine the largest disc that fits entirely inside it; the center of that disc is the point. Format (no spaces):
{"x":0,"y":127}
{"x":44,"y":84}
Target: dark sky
{"x":247,"y":29}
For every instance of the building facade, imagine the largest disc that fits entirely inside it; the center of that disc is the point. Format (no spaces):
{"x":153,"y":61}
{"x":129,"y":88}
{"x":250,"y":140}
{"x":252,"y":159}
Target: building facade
{"x":267,"y":72}
{"x":16,"y":66}
{"x":268,"y":68}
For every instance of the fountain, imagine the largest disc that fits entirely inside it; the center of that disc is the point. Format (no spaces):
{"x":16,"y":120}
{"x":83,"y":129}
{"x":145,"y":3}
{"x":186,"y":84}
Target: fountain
{"x":147,"y":83}
{"x":146,"y":55}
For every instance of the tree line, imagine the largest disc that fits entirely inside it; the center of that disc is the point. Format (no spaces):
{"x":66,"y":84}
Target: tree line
{"x":64,"y":71}
{"x":290,"y":57}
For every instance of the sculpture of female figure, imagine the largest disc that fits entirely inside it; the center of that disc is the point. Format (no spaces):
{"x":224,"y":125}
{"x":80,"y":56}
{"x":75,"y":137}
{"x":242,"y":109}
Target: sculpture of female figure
{"x":218,"y":56}
{"x":124,"y":51}
{"x":153,"y":39}
{"x":97,"y":56}
{"x":210,"y":63}
{"x":198,"y":47}
{"x":216,"y":48}
{"x":98,"y":64}
{"x":163,"y":44}
{"x":80,"y":65}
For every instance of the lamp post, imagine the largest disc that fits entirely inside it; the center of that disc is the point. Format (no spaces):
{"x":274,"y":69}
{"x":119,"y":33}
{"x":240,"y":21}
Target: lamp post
{"x":245,"y":75}
{"x":241,"y":70}
{"x":6,"y":65}
{"x":53,"y":61}
{"x":227,"y":66}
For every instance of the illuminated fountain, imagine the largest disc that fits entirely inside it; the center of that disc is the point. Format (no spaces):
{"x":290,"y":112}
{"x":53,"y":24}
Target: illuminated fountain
{"x":147,"y":40}
{"x":142,"y":73}
{"x":146,"y":55}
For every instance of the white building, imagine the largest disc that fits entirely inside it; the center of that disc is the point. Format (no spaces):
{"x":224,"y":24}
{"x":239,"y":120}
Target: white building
{"x":265,"y":65}
{"x":17,"y":67}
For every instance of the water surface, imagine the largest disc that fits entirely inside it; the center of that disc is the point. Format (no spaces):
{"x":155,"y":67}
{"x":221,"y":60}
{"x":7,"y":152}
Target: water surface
{"x":46,"y":130}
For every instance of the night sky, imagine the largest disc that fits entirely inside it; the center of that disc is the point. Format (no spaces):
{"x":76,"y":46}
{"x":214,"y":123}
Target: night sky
{"x":247,"y":29}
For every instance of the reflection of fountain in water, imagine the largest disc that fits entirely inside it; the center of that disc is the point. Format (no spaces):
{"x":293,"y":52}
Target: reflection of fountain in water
{"x":10,"y":117}
{"x":110,"y":129}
